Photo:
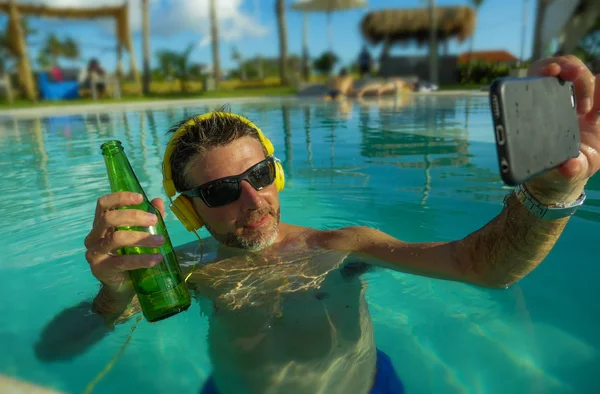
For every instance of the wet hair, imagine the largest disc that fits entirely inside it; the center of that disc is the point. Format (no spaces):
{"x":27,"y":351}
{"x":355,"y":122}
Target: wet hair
{"x":201,"y":137}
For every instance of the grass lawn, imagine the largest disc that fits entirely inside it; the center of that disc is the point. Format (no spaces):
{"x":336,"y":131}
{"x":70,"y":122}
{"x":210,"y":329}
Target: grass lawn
{"x":173,"y":95}
{"x":461,"y":86}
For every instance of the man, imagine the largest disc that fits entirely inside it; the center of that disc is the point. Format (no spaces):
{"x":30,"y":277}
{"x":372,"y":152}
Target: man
{"x":94,"y":77}
{"x":343,"y":86}
{"x":339,"y":86}
{"x":290,"y":314}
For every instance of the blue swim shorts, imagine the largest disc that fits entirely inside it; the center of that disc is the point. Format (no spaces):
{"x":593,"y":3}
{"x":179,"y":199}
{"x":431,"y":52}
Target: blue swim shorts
{"x":386,"y":379}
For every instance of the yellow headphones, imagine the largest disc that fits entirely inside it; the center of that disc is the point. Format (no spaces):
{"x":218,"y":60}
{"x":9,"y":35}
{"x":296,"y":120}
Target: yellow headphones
{"x":182,"y":206}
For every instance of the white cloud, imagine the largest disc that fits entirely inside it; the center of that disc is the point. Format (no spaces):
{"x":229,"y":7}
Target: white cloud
{"x":184,"y":15}
{"x":176,"y":16}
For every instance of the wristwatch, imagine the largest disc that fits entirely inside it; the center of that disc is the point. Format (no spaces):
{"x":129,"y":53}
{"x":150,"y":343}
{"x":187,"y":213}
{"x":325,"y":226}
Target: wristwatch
{"x":542,"y":211}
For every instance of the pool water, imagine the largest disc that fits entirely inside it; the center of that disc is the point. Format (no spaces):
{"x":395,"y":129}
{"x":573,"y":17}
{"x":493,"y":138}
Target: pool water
{"x":421,"y":168}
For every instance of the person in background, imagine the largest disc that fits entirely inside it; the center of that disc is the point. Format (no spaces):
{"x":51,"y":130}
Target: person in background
{"x":339,"y":86}
{"x":94,"y":74}
{"x":56,"y":73}
{"x":344,"y":86}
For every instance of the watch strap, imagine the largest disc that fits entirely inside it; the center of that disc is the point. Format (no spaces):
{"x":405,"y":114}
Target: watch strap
{"x":542,"y":211}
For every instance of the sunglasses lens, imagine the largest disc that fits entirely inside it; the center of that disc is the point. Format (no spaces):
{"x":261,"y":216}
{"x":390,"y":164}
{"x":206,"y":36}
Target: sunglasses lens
{"x":221,"y":193}
{"x":262,"y":175}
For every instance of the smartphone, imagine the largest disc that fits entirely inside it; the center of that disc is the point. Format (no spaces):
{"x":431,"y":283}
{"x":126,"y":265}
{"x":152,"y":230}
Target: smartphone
{"x":535,"y":125}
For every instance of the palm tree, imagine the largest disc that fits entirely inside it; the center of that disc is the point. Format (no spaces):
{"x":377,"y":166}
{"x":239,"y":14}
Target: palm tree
{"x":53,"y":48}
{"x":42,"y":60}
{"x":70,"y":49}
{"x":177,"y":64}
{"x":280,"y":11}
{"x":523,"y":32}
{"x":183,"y":66}
{"x":215,"y":42}
{"x":146,"y":34}
{"x":165,"y":65}
{"x":433,"y":48}
{"x":476,"y":4}
{"x":237,"y":56}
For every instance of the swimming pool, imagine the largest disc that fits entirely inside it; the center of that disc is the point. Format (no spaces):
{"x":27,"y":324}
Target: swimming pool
{"x":421,"y":168}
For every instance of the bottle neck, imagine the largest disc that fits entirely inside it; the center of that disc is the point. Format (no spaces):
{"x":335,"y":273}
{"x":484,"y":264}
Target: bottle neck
{"x":120,"y":173}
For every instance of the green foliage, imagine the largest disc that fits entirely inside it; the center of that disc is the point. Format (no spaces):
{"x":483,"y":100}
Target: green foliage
{"x":235,"y":54}
{"x":485,"y":72}
{"x":260,"y":68}
{"x":324,"y":64}
{"x":43,"y":60}
{"x":237,"y":57}
{"x":70,"y":49}
{"x":175,"y":64}
{"x":353,"y":68}
{"x":127,"y":98}
{"x":53,"y":49}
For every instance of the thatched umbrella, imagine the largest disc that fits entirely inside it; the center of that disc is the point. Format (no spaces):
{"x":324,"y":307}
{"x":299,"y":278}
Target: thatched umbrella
{"x":419,"y":25}
{"x":403,"y":26}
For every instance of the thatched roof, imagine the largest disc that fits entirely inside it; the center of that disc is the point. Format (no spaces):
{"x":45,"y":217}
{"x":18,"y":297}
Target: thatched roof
{"x":119,"y":13}
{"x":327,"y":5}
{"x":17,"y":45}
{"x":412,"y":25}
{"x":65,"y":12}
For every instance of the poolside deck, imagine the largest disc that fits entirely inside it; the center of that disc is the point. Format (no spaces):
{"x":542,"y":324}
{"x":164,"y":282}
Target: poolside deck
{"x":21,"y":113}
{"x":9,"y":385}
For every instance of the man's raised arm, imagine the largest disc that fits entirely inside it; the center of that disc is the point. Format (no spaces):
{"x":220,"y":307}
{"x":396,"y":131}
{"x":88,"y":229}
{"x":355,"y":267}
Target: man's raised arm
{"x":517,"y":240}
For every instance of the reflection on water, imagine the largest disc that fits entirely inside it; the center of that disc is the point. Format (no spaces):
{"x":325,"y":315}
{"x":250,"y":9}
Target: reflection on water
{"x":288,"y":148}
{"x":421,"y":168}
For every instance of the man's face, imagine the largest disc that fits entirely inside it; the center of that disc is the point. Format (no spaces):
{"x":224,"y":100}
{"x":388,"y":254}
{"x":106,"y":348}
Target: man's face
{"x":250,"y":222}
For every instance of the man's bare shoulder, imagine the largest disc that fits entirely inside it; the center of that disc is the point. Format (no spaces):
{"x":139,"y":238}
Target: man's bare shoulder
{"x":341,"y":239}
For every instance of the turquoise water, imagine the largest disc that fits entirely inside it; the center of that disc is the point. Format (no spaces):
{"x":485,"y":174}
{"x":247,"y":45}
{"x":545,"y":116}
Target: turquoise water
{"x":422,"y":169}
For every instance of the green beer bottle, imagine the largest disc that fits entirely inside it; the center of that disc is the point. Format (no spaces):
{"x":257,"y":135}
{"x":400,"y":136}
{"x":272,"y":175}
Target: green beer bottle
{"x":161,"y":290}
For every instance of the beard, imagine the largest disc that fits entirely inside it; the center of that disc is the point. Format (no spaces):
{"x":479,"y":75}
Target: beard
{"x":251,"y":239}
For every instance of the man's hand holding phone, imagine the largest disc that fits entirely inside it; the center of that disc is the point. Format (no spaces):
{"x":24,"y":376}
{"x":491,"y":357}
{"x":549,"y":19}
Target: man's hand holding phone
{"x":565,"y":183}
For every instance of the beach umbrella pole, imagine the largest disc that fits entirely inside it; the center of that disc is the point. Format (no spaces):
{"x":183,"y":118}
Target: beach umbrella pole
{"x":433,"y":60}
{"x":329,"y":33}
{"x":305,"y":46}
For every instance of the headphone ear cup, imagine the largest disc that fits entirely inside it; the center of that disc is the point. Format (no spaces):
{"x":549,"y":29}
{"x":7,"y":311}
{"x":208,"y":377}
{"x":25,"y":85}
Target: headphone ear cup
{"x":184,"y":210}
{"x":279,"y":176}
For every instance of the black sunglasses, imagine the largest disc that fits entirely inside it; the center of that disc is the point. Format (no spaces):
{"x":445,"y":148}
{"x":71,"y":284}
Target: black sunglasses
{"x":226,"y":190}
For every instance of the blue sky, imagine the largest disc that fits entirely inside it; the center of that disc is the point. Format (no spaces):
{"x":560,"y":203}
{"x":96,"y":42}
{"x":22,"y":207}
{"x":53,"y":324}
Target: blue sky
{"x":251,"y":26}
